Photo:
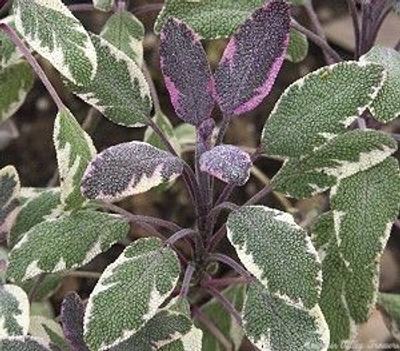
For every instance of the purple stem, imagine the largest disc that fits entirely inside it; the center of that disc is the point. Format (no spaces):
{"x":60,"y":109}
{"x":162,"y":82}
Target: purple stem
{"x":81,"y":7}
{"x":222,"y":129}
{"x":216,"y":211}
{"x":190,"y":269}
{"x":147,"y":8}
{"x":217,"y":237}
{"x":181,"y":234}
{"x":258,"y":196}
{"x":224,"y":282}
{"x":356,"y":25}
{"x":34,"y":64}
{"x":226,"y":193}
{"x":231,"y":263}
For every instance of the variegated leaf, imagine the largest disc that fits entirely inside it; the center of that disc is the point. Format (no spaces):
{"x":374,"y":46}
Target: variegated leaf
{"x":319,"y":106}
{"x":273,"y":324}
{"x":252,"y":59}
{"x":223,"y":320}
{"x":189,"y":342}
{"x":103,"y":5}
{"x":3,"y":264}
{"x":126,"y":33}
{"x":116,"y":72}
{"x":14,"y":311}
{"x":16,"y":80}
{"x":277,"y":252}
{"x":65,"y":243}
{"x":389,"y":305}
{"x":9,"y":54}
{"x":9,"y":191}
{"x":211,"y":19}
{"x":386,"y":105}
{"x":46,"y":205}
{"x":74,"y":150}
{"x":146,"y":272}
{"x":127,"y":169}
{"x":186,"y":71}
{"x":186,"y":134}
{"x":350,"y":240}
{"x":51,"y":30}
{"x":49,"y":330}
{"x":26,"y":343}
{"x":227,"y":163}
{"x":298,"y":47}
{"x":340,"y":158}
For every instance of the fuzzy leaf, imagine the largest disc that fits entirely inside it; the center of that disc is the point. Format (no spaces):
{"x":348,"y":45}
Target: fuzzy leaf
{"x":146,"y":272}
{"x":189,"y":342}
{"x":126,"y":33}
{"x":49,"y":330}
{"x":277,"y":252}
{"x":14,"y":311}
{"x":47,"y":288}
{"x":127,"y":169}
{"x":3,"y":264}
{"x":252,"y":59}
{"x":386,"y":105}
{"x":44,"y":206}
{"x":72,"y":312}
{"x":103,"y":5}
{"x":65,"y":243}
{"x":74,"y":149}
{"x":51,"y":30}
{"x":223,"y":320}
{"x":389,"y":305}
{"x":350,"y":240}
{"x":186,"y":71}
{"x":9,"y":191}
{"x":298,"y":47}
{"x":273,"y":324}
{"x":186,"y":134}
{"x":26,"y":343}
{"x":227,"y":163}
{"x":211,"y":19}
{"x":340,"y":158}
{"x":319,"y":106}
{"x":16,"y":80}
{"x":116,"y":72}
{"x":9,"y":54}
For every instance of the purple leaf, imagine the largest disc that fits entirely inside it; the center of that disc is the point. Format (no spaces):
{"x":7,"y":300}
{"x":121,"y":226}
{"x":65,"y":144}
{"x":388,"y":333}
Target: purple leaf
{"x":127,"y":169}
{"x":72,"y":312}
{"x":186,"y":72}
{"x":227,"y":163}
{"x":252,"y":59}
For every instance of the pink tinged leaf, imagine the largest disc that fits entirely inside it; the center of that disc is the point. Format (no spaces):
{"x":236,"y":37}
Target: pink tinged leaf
{"x":127,"y":169}
{"x":252,"y":59}
{"x":186,"y":71}
{"x":227,"y":163}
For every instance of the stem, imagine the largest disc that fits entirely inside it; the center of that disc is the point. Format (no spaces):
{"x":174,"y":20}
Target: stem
{"x":231,"y":263}
{"x":356,"y":25}
{"x":84,"y":274}
{"x":190,"y":269}
{"x":216,"y":211}
{"x":34,"y":64}
{"x":217,"y":237}
{"x":147,"y":8}
{"x":222,"y":130}
{"x":321,"y":43}
{"x":258,"y":196}
{"x":81,"y":7}
{"x":181,"y":234}
{"x":226,"y":193}
{"x":224,"y":282}
{"x":152,"y":87}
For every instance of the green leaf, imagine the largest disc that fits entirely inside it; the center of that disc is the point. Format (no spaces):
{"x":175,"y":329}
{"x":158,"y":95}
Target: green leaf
{"x":126,"y":33}
{"x":340,"y":158}
{"x":389,"y":305}
{"x":386,"y":106}
{"x":103,"y":5}
{"x":210,"y":19}
{"x":189,"y":342}
{"x":48,"y":330}
{"x":186,"y":134}
{"x":14,"y":311}
{"x":273,"y":324}
{"x":44,"y":206}
{"x":298,"y":47}
{"x":147,"y":272}
{"x":350,"y":240}
{"x":53,"y":31}
{"x":9,"y":54}
{"x":16,"y":80}
{"x":116,"y":72}
{"x":74,"y":150}
{"x":26,"y":343}
{"x":65,"y":243}
{"x":224,"y":320}
{"x":319,"y":106}
{"x":277,"y":252}
{"x":46,"y":288}
{"x":298,"y":2}
{"x":3,"y":264}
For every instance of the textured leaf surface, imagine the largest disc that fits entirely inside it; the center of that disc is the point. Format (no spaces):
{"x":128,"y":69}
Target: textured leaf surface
{"x":386,"y":105}
{"x":272,"y":324}
{"x":186,"y":71}
{"x":186,"y":134}
{"x":127,"y":169}
{"x":49,"y":330}
{"x":298,"y":47}
{"x":14,"y":311}
{"x":103,"y":5}
{"x":189,"y":342}
{"x":223,"y":320}
{"x":47,"y":288}
{"x":277,"y":252}
{"x":26,"y":343}
{"x":36,"y":210}
{"x":74,"y":150}
{"x":16,"y":80}
{"x":252,"y":59}
{"x":319,"y":106}
{"x":131,"y":290}
{"x":3,"y":264}
{"x":9,"y":54}
{"x":64,"y":243}
{"x":350,"y":240}
{"x":389,"y":305}
{"x":119,"y":90}
{"x":9,"y":191}
{"x":340,"y":158}
{"x":126,"y":33}
{"x":51,"y":30}
{"x":227,"y":163}
{"x":211,"y":19}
